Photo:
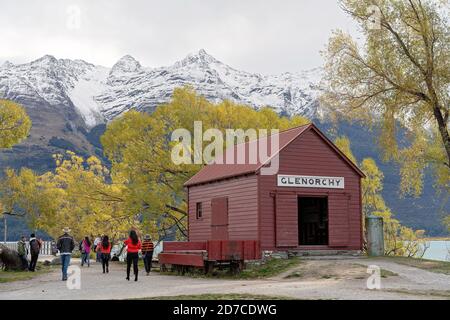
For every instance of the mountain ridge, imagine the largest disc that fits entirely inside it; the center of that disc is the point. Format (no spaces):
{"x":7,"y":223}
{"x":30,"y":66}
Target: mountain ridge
{"x":99,"y":94}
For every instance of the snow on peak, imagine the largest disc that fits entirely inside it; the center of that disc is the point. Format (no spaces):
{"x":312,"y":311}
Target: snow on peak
{"x":126,"y":64}
{"x":45,"y":60}
{"x":7,"y":65}
{"x":201,"y":58}
{"x":99,"y":94}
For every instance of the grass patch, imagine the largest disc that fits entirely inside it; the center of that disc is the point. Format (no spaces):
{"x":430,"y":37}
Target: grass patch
{"x":429,"y":265}
{"x":428,"y":293}
{"x":270,"y":268}
{"x":386,"y":273}
{"x":213,"y":296}
{"x":11,"y":276}
{"x":294,"y":275}
{"x":383,"y":272}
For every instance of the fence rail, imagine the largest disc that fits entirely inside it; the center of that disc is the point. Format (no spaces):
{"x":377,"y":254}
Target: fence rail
{"x":46,"y":248}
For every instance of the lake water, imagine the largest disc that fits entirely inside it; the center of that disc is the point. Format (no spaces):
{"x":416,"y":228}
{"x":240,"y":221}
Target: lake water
{"x":438,"y":250}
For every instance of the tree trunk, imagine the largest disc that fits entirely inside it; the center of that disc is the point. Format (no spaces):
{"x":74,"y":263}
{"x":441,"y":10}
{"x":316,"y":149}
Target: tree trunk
{"x":10,"y":259}
{"x":442,"y":126}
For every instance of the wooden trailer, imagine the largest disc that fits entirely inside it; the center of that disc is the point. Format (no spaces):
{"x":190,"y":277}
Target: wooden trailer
{"x":207,"y":255}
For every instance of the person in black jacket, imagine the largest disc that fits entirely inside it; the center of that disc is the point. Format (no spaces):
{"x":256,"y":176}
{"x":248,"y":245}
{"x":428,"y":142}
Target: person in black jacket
{"x":35,"y":248}
{"x":65,"y":245}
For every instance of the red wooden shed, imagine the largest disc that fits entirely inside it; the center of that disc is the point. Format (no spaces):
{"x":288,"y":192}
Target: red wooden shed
{"x":312,"y":202}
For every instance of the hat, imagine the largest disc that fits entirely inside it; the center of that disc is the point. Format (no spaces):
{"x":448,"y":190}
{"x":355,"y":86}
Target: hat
{"x":66,"y":230}
{"x":147,"y":237}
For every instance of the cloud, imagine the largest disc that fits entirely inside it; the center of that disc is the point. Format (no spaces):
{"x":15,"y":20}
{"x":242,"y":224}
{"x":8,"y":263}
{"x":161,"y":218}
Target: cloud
{"x":264,"y":36}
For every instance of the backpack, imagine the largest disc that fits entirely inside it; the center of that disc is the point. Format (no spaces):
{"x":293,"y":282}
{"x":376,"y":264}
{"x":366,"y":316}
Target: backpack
{"x":34,"y":247}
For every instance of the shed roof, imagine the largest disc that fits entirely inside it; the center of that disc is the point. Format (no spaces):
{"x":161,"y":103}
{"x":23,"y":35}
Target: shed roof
{"x":217,"y":171}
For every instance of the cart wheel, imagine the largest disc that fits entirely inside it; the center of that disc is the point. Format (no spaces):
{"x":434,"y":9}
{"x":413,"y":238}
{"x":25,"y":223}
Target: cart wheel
{"x":180,"y":270}
{"x":209,"y":267}
{"x":236,"y":266}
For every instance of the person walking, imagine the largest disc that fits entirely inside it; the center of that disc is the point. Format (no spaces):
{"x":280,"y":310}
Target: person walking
{"x":147,"y":253}
{"x":86,"y":252}
{"x":97,"y":241}
{"x":35,"y":248}
{"x":23,"y":252}
{"x":65,"y":245}
{"x":133,"y":245}
{"x":105,"y":250}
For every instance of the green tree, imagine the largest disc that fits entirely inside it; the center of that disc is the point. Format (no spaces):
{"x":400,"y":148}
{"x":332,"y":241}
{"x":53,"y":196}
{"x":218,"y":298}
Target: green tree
{"x":14,"y":123}
{"x":399,"y":76}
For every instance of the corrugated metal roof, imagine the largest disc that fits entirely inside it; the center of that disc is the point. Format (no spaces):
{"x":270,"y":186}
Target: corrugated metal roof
{"x":218,"y":171}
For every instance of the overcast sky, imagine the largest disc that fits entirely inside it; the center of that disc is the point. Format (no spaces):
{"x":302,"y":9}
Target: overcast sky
{"x":264,"y":36}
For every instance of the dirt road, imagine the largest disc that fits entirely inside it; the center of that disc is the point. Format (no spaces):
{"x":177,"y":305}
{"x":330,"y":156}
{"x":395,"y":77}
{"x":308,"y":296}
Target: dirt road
{"x":312,"y":279}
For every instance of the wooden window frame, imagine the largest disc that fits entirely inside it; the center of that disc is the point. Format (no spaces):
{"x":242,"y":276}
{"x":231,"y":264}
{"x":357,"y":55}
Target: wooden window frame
{"x":198,"y":210}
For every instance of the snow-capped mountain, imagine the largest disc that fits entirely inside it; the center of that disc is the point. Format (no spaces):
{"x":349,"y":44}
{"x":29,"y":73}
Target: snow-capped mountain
{"x":99,"y":94}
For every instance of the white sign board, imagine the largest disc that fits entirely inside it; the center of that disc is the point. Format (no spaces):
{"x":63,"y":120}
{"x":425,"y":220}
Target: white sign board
{"x":311,"y":182}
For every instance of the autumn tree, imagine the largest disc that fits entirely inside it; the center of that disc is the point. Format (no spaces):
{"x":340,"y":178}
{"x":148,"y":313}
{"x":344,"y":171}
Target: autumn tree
{"x":398,"y":77}
{"x":144,"y":188}
{"x":139,"y":148}
{"x":78,"y":194}
{"x":14,"y":123}
{"x":399,"y":240}
{"x":14,"y":127}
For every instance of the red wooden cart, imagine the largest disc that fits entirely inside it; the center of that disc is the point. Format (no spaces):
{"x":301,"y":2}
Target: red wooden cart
{"x":182,"y":256}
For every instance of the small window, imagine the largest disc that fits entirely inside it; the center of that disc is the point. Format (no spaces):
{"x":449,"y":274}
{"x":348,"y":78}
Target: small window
{"x":198,"y":210}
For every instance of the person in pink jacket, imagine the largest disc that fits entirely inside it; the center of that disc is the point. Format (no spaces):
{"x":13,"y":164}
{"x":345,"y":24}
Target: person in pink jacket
{"x":85,"y":247}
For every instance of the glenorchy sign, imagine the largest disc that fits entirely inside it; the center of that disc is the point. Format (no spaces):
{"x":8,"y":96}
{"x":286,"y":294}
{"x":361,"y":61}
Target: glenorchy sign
{"x":311,"y":182}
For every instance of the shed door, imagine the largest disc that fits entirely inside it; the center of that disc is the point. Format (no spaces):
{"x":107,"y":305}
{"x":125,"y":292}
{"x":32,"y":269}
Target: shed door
{"x":338,"y":227}
{"x":219,"y":219}
{"x":286,"y":220}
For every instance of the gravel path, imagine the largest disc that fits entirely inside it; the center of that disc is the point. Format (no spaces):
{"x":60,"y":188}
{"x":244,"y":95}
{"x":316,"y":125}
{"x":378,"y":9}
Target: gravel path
{"x":345,"y":279}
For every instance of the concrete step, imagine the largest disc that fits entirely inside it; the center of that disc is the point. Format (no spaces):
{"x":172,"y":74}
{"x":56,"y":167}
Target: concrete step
{"x":326,"y":254}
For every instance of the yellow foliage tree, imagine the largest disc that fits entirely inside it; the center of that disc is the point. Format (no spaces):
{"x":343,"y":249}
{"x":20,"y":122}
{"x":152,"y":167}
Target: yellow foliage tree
{"x":14,"y":123}
{"x":76,"y":195}
{"x":139,"y":148}
{"x":144,"y":189}
{"x":398,"y":240}
{"x":399,"y":77}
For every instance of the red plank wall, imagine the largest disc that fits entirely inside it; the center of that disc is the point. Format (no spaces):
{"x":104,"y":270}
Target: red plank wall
{"x":242,"y":208}
{"x":310,"y":155}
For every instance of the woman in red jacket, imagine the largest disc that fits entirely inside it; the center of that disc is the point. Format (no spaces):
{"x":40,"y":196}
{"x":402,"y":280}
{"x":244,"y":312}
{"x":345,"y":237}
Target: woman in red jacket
{"x":105,"y":252}
{"x":133,"y":246}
